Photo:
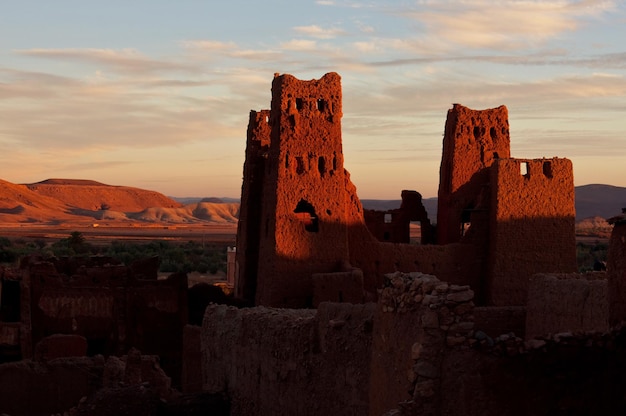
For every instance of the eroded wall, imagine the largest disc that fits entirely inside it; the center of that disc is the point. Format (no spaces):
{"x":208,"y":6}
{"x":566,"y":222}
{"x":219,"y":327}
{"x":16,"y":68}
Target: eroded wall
{"x":571,"y":302}
{"x":289,"y":361}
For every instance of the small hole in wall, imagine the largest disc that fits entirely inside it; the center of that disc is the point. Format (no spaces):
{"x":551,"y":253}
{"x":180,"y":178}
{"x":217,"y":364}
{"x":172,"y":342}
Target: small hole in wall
{"x":492,"y":133}
{"x":476,"y":132}
{"x":299,"y":165}
{"x":267,"y":119}
{"x":547,"y":169}
{"x":321,"y":165}
{"x":299,"y":104}
{"x":329,"y":212}
{"x":523,"y":169}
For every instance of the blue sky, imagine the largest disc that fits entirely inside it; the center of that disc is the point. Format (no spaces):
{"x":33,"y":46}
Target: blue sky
{"x":156,"y":94}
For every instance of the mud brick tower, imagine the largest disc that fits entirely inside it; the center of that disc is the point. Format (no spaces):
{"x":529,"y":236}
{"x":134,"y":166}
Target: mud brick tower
{"x":300,"y":207}
{"x":473,"y":139}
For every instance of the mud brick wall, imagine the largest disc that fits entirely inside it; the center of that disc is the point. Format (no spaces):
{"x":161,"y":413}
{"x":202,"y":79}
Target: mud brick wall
{"x":459,"y":264}
{"x":291,"y":362}
{"x":532,"y":225}
{"x":567,"y":303}
{"x":420,"y":318}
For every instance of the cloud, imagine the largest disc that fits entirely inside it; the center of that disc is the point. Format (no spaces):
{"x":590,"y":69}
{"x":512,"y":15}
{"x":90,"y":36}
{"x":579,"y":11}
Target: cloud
{"x":126,"y":60}
{"x":318,"y":32}
{"x":299,"y":45}
{"x":505,"y":25}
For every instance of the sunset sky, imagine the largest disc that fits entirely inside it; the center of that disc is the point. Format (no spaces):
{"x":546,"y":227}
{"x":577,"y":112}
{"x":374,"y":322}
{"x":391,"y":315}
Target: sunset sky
{"x":156,"y":94}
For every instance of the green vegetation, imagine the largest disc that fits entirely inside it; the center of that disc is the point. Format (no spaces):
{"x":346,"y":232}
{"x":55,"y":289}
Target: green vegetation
{"x":589,"y":256}
{"x":175,"y":257}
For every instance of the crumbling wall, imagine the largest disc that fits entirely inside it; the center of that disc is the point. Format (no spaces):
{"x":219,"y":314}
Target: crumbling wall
{"x":567,"y":303}
{"x":455,"y":263}
{"x":420,"y":318}
{"x":394,"y":225}
{"x":532,"y":225}
{"x":286,"y":361}
{"x":473,"y":140}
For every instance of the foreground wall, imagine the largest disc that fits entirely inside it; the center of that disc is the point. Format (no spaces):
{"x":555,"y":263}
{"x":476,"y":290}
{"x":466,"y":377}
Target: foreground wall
{"x":572,"y":302}
{"x":291,"y":362}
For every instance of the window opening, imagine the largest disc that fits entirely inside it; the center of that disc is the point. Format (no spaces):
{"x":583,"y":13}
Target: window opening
{"x":321,"y":104}
{"x":523,"y":169}
{"x":299,"y":104}
{"x":299,"y":165}
{"x":387,"y":218}
{"x":466,"y":219}
{"x":321,"y":165}
{"x":306,"y":215}
{"x":547,"y":169}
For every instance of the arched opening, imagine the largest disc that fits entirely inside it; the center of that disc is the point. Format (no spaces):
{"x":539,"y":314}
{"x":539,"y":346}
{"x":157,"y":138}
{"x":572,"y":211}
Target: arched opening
{"x":306,"y":215}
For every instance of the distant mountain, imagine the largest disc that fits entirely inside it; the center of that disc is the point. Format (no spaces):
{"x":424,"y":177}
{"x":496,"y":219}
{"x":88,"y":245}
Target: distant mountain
{"x":196,"y":199}
{"x":597,"y":200}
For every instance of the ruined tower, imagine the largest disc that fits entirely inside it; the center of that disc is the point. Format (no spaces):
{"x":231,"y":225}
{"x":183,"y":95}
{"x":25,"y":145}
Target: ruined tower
{"x":303,"y":184}
{"x":473,"y":139}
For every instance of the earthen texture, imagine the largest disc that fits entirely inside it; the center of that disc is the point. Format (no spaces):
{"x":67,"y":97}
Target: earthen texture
{"x":567,"y":303}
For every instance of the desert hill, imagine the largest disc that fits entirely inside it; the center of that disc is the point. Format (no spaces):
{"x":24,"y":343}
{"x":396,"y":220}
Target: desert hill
{"x":91,"y":195}
{"x":77,"y":200}
{"x":18,"y":201}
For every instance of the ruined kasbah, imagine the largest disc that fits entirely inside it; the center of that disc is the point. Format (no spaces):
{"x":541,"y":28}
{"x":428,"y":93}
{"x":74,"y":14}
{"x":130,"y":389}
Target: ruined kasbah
{"x":340,"y":313}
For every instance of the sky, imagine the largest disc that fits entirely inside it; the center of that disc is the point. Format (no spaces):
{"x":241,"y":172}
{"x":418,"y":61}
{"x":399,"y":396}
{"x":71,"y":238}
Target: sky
{"x":156,"y":94}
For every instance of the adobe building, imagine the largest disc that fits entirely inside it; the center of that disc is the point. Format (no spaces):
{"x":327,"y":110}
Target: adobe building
{"x":302,"y":228}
